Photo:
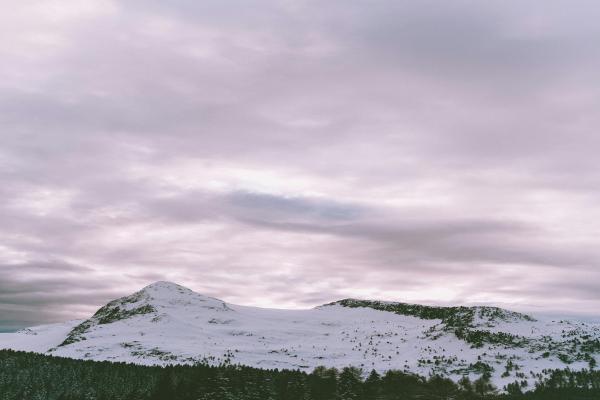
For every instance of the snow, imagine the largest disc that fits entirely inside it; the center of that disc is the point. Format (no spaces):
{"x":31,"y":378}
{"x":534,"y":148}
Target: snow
{"x":37,"y":339}
{"x":177,"y":325}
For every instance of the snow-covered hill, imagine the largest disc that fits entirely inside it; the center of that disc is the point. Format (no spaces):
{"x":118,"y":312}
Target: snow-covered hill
{"x":167,"y":323}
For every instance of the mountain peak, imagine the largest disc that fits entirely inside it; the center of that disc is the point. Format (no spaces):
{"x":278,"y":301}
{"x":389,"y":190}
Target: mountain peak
{"x":169,"y":292}
{"x":153,"y":303}
{"x":167,"y":284}
{"x":160,"y":286}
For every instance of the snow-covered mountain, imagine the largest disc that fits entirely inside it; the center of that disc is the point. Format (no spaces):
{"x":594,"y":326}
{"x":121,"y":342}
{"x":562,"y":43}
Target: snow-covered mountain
{"x":167,"y":323}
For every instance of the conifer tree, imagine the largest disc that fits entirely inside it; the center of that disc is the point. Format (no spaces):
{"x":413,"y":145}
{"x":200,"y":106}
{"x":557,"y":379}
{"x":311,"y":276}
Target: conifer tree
{"x":483,"y":385}
{"x":323,"y":383}
{"x":372,"y":386}
{"x":350,"y":384}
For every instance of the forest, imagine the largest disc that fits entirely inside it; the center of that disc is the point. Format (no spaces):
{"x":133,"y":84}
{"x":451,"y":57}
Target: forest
{"x":25,"y":376}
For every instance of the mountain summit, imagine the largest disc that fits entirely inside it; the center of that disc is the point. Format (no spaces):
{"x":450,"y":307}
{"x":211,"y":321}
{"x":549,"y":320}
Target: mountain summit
{"x":168,"y":295}
{"x":167,"y":323}
{"x":160,"y":301}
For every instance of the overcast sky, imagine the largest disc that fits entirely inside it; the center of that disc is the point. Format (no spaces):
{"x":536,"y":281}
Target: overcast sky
{"x":291,"y":153}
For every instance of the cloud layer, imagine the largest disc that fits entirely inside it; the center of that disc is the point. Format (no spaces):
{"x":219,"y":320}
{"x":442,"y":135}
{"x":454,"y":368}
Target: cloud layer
{"x":291,"y":153}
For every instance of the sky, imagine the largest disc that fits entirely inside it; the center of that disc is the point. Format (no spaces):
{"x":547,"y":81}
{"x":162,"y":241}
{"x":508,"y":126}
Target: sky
{"x":291,"y":153}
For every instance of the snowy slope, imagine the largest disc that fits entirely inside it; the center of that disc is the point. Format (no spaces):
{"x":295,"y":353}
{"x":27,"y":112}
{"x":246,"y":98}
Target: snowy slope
{"x":167,"y":323}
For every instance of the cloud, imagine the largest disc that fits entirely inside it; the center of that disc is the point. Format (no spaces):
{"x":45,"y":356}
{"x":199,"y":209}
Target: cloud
{"x":48,"y":291}
{"x":286,"y":154}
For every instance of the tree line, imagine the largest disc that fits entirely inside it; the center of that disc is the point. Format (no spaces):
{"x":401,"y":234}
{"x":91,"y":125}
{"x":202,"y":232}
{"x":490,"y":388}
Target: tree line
{"x":25,"y":376}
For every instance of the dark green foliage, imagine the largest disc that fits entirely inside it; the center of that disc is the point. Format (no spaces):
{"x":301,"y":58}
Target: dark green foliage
{"x":372,"y":386}
{"x":397,"y":385}
{"x":105,"y":315}
{"x":323,"y":383}
{"x":451,"y":316}
{"x":76,"y":334}
{"x":591,"y":345}
{"x":483,"y":385}
{"x":477,"y":338}
{"x":442,"y":388}
{"x":455,"y":317}
{"x":350,"y":384}
{"x":29,"y":376}
{"x":459,"y":320}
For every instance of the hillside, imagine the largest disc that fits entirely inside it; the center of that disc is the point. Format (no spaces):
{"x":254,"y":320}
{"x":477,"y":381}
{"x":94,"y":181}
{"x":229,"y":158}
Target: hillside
{"x":165,"y":323}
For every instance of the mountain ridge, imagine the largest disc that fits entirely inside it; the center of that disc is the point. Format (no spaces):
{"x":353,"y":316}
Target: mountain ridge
{"x":165,"y":323}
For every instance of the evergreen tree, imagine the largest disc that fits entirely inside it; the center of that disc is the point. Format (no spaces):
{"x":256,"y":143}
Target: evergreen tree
{"x":372,"y":386}
{"x":467,"y":391}
{"x":514,"y":389}
{"x":397,"y":385}
{"x":483,"y":385}
{"x":323,"y":383}
{"x":441,"y":388}
{"x":350,"y":384}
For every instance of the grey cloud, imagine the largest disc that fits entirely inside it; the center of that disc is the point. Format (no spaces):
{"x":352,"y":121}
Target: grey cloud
{"x":401,"y":146}
{"x":48,"y":291}
{"x":56,"y":266}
